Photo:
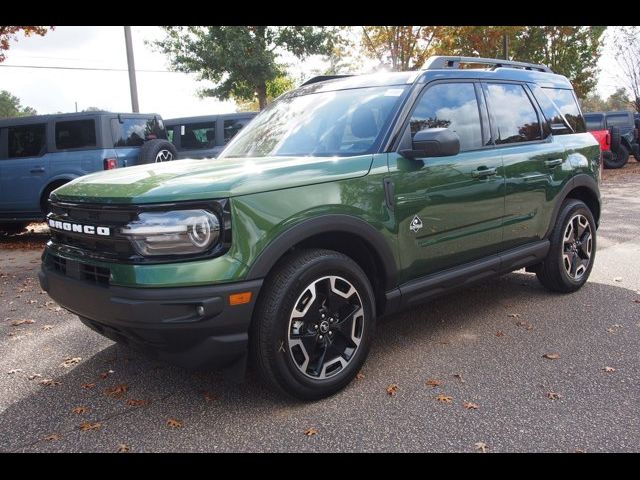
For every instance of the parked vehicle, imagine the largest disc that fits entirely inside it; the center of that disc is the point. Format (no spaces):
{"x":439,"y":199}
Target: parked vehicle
{"x":342,"y":201}
{"x":205,"y":136}
{"x":604,"y":139}
{"x":624,"y":134}
{"x":40,"y":153}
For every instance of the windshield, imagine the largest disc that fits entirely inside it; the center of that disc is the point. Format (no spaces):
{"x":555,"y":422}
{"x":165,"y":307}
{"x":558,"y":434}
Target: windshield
{"x":336,"y":123}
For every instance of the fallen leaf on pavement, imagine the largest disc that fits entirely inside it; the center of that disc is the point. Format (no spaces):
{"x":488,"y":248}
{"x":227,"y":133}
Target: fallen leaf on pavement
{"x":14,"y":371}
{"x":47,"y":327}
{"x":360,"y":376}
{"x":617,"y":279}
{"x":117,"y":391}
{"x":432,"y":382}
{"x":551,"y":356}
{"x":309,"y":432}
{"x":69,"y":361}
{"x":52,"y":437}
{"x":471,"y":405}
{"x":609,"y":369}
{"x":459,"y":377}
{"x":123,"y":448}
{"x":33,"y":376}
{"x":132,"y":402}
{"x":514,"y":315}
{"x":499,"y":333}
{"x":553,"y":396}
{"x":49,"y":382}
{"x":104,"y":375}
{"x":483,"y":447}
{"x":636,"y":301}
{"x":88,"y":385}
{"x":90,"y":426}
{"x":173,"y":423}
{"x":444,"y":398}
{"x":80,"y":410}
{"x":392,"y":389}
{"x":15,"y":323}
{"x":525,"y":325}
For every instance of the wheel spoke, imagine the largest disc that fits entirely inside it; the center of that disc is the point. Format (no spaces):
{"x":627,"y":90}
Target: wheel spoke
{"x":585,"y":244}
{"x":574,"y":264}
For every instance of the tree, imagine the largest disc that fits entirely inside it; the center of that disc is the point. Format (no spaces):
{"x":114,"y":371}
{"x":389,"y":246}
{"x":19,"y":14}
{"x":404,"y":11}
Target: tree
{"x":275,"y":88}
{"x":400,"y":47}
{"x":476,"y":41}
{"x":619,"y":100}
{"x":10,"y":106}
{"x":240,"y":60}
{"x":8,"y":34}
{"x":593,"y":103}
{"x":626,"y":44}
{"x":572,"y":51}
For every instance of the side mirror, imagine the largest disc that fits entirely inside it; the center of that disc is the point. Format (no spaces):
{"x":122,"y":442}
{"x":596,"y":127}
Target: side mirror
{"x":433,"y":142}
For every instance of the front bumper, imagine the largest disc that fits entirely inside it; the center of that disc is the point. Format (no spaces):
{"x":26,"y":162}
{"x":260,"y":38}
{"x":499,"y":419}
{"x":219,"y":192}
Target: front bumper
{"x":193,"y":327}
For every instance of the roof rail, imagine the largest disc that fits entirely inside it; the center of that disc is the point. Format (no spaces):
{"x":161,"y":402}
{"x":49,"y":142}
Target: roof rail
{"x":322,"y":78}
{"x":441,"y":62}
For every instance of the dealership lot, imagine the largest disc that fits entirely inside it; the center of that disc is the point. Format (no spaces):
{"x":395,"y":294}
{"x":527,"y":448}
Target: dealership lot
{"x":66,"y":388}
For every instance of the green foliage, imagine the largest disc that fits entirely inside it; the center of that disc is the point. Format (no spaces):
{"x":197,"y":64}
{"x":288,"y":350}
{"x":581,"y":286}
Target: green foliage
{"x":618,"y":100}
{"x":10,"y":34}
{"x":275,"y":88}
{"x":10,"y":106}
{"x":400,"y":47}
{"x":240,"y":60}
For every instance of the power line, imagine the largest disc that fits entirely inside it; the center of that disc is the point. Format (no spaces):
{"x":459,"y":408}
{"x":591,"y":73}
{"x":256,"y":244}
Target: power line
{"x":86,"y":68}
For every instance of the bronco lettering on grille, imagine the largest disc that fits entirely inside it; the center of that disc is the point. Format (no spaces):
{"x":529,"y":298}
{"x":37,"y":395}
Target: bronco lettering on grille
{"x":79,"y":228}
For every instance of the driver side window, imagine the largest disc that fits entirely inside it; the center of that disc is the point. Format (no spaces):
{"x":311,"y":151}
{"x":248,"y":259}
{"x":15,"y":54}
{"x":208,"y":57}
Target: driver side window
{"x":453,"y":106}
{"x":515,"y":117}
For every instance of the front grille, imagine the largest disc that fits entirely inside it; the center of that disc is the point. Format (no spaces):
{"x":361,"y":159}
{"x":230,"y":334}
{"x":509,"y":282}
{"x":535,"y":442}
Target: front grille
{"x":78,"y":270}
{"x":112,"y":248}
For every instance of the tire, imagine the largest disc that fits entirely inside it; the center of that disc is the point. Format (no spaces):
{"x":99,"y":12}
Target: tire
{"x":553,"y":271}
{"x":156,"y":151}
{"x":285,"y":324}
{"x":616,"y":139}
{"x":635,"y":151}
{"x":13,"y":228}
{"x":44,"y":200}
{"x":618,"y":159}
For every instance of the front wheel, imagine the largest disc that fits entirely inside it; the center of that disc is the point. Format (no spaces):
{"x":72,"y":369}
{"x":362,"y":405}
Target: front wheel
{"x":572,"y":251}
{"x":313,"y":324}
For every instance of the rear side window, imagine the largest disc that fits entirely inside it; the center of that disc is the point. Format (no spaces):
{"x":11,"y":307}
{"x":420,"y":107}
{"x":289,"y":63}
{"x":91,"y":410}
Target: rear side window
{"x":132,"y":132}
{"x":27,"y":141}
{"x":170,"y":134}
{"x":453,"y":106}
{"x":195,"y":136}
{"x":233,"y":126}
{"x":513,"y":113}
{"x":75,"y":134}
{"x":567,"y":103}
{"x":619,"y":120}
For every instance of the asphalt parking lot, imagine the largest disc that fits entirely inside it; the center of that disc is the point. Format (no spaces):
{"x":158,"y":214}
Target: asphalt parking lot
{"x":64,"y":388}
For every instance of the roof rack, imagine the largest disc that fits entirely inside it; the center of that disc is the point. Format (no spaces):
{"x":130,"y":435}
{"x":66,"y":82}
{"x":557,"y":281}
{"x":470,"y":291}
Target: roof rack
{"x":322,"y":78}
{"x":442,"y":62}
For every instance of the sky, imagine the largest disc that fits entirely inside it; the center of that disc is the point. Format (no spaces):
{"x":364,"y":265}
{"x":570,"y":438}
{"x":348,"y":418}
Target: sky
{"x":171,"y":94}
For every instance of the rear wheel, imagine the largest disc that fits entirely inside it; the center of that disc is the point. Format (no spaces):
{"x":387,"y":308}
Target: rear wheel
{"x":313,"y":324}
{"x":157,"y":151}
{"x":572,"y":251}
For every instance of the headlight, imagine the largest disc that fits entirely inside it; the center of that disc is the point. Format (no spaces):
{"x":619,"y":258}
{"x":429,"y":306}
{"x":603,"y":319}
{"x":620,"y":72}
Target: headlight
{"x":180,"y":232}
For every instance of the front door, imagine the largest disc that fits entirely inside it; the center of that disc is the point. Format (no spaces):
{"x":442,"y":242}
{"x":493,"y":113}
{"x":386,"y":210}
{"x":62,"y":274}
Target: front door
{"x":449,"y":209}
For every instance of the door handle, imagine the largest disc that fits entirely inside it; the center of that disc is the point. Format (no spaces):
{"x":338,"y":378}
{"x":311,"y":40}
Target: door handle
{"x":553,"y":162}
{"x":484,"y":172}
{"x":37,"y":170}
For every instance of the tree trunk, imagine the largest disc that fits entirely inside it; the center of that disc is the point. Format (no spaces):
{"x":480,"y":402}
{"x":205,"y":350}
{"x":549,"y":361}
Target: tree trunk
{"x":261,"y":90}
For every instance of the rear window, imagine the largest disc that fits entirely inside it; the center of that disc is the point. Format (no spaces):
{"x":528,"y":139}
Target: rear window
{"x":75,"y":134}
{"x":619,"y":120}
{"x":132,"y":132}
{"x":567,"y":103}
{"x":594,"y":122}
{"x":27,"y":141}
{"x":233,"y":126}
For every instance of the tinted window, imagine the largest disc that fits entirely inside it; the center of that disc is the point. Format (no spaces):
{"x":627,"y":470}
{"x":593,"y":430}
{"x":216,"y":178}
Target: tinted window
{"x":132,"y":132}
{"x":619,"y":120}
{"x":27,"y":141}
{"x":195,"y":136}
{"x":566,"y":102}
{"x":594,"y":122}
{"x":170,"y":134}
{"x":327,"y":123}
{"x":515,"y":117}
{"x":231,"y":127}
{"x":75,"y":134}
{"x":453,"y":106}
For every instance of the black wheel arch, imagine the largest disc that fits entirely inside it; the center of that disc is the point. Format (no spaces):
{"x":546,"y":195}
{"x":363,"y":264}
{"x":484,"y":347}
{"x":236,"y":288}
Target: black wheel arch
{"x":50,"y":187}
{"x":581,"y":187}
{"x":317,"y":231}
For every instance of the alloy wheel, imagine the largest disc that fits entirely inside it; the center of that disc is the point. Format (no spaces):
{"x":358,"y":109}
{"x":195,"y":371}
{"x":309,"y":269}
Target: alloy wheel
{"x":577,"y":246}
{"x":164,"y":156}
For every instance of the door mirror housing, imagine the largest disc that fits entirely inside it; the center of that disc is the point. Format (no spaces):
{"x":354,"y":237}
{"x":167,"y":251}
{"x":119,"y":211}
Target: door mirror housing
{"x":433,"y":142}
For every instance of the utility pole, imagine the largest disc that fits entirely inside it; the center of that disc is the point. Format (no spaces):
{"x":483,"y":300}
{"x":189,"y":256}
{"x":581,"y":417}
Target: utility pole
{"x":505,"y":46}
{"x":132,"y":71}
{"x":76,"y":107}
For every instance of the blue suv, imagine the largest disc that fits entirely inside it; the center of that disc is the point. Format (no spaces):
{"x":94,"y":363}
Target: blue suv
{"x":39,"y":154}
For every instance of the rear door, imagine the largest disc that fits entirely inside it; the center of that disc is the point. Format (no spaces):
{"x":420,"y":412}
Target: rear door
{"x":198,"y":139}
{"x":24,"y":168}
{"x":75,"y":151}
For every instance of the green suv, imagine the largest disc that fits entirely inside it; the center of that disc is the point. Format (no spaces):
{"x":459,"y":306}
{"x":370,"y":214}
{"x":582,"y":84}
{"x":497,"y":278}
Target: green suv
{"x":344,"y":200}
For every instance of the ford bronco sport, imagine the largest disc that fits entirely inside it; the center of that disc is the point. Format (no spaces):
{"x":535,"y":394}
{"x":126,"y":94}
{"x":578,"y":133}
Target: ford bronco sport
{"x":342,"y":201}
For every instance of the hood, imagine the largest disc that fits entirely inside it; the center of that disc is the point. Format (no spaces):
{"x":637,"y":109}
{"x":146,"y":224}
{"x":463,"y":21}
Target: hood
{"x":182,"y":180}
